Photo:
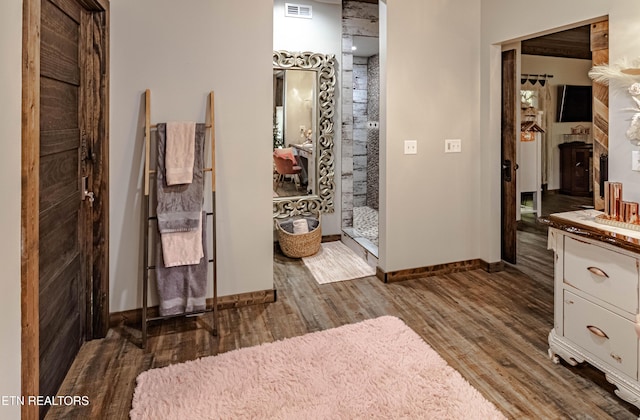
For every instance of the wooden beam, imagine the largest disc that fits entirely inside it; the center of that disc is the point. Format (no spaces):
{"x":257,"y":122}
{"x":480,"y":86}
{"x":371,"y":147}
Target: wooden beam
{"x":30,"y":206}
{"x":213,"y":142}
{"x":147,"y":139}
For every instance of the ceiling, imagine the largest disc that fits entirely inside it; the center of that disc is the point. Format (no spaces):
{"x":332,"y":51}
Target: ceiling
{"x":572,"y":43}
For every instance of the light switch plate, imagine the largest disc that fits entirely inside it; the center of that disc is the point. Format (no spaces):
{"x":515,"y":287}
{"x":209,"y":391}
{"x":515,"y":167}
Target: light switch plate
{"x":453,"y":145}
{"x":410,"y":147}
{"x":635,"y":160}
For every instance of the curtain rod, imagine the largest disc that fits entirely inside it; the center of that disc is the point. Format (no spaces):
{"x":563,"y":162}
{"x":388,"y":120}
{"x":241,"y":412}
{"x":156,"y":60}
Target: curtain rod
{"x":548,"y":76}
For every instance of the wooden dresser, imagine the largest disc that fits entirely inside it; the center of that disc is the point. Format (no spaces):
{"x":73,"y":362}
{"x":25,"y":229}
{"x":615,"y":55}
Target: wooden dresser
{"x":575,"y":168}
{"x":596,"y":301}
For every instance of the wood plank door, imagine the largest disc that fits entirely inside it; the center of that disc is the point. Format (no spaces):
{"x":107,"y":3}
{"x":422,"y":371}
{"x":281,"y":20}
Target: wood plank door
{"x":508,"y":134}
{"x":71,"y":223}
{"x":64,"y":234}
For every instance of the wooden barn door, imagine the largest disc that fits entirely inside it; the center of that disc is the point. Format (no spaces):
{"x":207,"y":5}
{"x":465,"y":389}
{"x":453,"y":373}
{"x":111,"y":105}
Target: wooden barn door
{"x":65,"y":234}
{"x":65,"y":185}
{"x":509,"y":166}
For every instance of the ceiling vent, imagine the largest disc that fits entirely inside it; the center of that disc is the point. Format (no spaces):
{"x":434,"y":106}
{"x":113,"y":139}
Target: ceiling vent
{"x":297,"y":10}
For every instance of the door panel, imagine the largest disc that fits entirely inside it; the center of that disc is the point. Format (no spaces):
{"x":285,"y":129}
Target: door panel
{"x":63,"y":255}
{"x":55,"y":316}
{"x":58,"y":178}
{"x":509,"y":223}
{"x":58,"y":104}
{"x":62,"y":237}
{"x":59,"y":55}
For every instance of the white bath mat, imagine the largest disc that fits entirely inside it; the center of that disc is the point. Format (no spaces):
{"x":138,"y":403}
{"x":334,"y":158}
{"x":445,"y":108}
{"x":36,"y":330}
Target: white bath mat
{"x":337,"y":262}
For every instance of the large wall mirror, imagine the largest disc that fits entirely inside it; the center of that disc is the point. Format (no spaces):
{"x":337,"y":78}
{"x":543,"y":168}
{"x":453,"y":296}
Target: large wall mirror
{"x":303,"y":110}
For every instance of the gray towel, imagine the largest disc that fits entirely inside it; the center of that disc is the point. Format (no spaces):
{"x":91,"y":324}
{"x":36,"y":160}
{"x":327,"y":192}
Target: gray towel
{"x":179,"y":206}
{"x":184,"y":288}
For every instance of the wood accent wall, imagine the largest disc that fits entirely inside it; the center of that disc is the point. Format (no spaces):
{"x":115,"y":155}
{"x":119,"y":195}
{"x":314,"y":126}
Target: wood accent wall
{"x":29,"y":276}
{"x":599,"y":56}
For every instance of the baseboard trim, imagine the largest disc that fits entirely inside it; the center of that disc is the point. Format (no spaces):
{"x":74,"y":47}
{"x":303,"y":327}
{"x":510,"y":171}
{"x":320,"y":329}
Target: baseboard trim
{"x":438,"y":269}
{"x":493,"y":267}
{"x":331,"y":238}
{"x":134,"y":316}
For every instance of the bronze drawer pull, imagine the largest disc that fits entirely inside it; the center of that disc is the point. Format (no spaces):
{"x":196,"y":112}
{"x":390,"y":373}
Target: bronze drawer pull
{"x":598,"y":272}
{"x":597,"y":331}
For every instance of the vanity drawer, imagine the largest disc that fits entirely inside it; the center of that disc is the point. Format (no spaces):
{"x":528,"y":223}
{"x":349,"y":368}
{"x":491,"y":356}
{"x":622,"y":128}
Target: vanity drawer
{"x":608,"y":336}
{"x":602,"y":273}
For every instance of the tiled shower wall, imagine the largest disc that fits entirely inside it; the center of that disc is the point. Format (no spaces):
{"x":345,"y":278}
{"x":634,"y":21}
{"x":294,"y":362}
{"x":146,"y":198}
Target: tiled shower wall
{"x":373,"y":134}
{"x":360,"y":131}
{"x":366,"y":100}
{"x":359,"y":19}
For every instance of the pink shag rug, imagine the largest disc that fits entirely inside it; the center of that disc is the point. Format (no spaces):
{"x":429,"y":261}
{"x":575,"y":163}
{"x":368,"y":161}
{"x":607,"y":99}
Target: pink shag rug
{"x":377,"y":368}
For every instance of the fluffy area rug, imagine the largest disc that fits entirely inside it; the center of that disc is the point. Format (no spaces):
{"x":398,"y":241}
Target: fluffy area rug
{"x":337,"y":262}
{"x":375,"y":369}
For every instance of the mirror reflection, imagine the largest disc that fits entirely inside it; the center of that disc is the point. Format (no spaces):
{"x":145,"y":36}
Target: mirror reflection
{"x":294,"y":133}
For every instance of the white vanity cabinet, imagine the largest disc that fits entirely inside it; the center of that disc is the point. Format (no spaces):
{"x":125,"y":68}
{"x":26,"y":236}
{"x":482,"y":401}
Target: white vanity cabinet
{"x":596,"y":303}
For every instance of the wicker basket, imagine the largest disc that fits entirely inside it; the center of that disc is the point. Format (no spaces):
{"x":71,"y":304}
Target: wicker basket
{"x":299,"y":245}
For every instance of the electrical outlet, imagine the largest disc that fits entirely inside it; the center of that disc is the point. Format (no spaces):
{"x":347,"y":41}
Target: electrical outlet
{"x":411,"y":147}
{"x":452,"y":146}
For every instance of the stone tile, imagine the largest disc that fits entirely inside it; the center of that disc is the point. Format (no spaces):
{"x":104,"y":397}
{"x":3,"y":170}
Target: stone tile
{"x":360,"y":149}
{"x":359,"y":95}
{"x":360,"y":200}
{"x":359,"y":108}
{"x":360,"y":134}
{"x":347,"y":166}
{"x":359,"y":61}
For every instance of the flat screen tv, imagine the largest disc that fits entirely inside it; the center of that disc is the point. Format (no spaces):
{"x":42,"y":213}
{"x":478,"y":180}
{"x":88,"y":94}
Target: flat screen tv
{"x":574,"y":103}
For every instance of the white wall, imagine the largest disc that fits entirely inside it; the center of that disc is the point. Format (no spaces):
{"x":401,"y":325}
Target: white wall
{"x":502,"y":21}
{"x":321,"y":34}
{"x":565,"y":71}
{"x":299,"y":107}
{"x":10,"y":133}
{"x":181,"y":51}
{"x":429,"y":201}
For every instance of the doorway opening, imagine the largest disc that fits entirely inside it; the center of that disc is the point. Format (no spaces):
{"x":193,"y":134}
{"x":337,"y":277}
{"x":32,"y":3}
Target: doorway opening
{"x":360,"y":124}
{"x":562,"y":146}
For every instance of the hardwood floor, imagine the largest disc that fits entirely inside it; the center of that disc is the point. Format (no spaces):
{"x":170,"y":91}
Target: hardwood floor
{"x":492,"y":328}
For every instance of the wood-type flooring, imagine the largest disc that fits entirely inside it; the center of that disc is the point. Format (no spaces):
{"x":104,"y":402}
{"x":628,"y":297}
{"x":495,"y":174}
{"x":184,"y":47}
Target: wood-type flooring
{"x":492,"y":328}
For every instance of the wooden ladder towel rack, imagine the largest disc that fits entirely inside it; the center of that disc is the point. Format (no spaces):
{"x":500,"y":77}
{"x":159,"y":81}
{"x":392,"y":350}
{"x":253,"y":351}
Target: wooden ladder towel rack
{"x":148,"y":218}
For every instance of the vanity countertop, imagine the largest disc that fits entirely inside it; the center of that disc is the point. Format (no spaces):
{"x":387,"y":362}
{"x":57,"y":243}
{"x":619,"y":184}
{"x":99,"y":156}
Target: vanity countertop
{"x":582,"y":223}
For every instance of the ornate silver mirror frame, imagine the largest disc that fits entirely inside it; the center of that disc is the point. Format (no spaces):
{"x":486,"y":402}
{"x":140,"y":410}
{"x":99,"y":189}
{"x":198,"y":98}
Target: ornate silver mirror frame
{"x":322,"y":202}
